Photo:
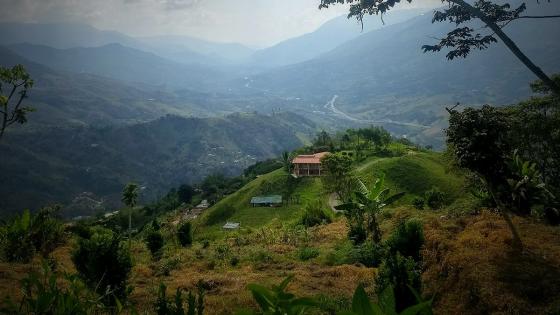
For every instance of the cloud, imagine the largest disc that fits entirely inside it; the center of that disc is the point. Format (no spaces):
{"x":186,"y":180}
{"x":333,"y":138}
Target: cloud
{"x":253,"y":22}
{"x":180,"y":4}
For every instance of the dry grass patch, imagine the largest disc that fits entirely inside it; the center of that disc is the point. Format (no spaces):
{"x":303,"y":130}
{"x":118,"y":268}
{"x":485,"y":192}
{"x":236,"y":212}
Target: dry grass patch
{"x":470,"y":267}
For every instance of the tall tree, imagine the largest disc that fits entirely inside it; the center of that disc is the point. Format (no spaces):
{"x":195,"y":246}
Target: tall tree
{"x":14,"y":85}
{"x":464,"y":38}
{"x":129,"y":198}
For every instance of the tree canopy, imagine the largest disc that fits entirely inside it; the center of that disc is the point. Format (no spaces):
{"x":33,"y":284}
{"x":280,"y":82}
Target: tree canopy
{"x":14,"y":85}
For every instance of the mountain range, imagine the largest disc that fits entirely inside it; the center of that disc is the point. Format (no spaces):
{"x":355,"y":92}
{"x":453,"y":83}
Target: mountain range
{"x":56,"y":164}
{"x":113,"y":108}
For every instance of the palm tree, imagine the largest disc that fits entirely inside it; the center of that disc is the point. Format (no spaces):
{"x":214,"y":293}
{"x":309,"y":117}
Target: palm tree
{"x":129,"y":198}
{"x":370,"y":203}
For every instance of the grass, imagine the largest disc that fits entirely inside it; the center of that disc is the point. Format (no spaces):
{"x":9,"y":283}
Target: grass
{"x":414,"y":173}
{"x":237,"y":208}
{"x":467,"y":268}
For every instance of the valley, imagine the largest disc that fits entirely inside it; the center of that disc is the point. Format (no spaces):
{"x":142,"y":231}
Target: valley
{"x":286,"y":157}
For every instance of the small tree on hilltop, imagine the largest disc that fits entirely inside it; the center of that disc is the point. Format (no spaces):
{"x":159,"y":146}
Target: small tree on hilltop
{"x":14,"y":85}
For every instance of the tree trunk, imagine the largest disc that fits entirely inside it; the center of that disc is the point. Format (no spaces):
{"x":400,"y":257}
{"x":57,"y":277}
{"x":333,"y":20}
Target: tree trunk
{"x":516,"y":244}
{"x":374,"y":229}
{"x":511,"y":45}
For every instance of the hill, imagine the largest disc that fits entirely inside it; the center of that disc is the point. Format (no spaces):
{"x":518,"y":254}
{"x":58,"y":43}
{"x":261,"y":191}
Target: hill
{"x":383,"y":76}
{"x":410,"y":171}
{"x":327,"y":37}
{"x":63,"y":98}
{"x":74,"y":35}
{"x":60,"y":163}
{"x":180,"y":48}
{"x":122,"y":63}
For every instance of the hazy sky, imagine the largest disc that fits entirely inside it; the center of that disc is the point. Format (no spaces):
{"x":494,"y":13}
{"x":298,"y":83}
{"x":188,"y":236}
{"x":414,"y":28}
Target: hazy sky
{"x":252,"y":22}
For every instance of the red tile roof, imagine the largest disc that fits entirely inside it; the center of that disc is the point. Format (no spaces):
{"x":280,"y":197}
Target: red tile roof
{"x":309,"y":159}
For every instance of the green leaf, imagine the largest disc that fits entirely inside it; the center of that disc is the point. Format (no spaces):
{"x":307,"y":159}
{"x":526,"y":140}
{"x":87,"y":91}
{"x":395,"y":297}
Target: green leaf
{"x":387,"y":301}
{"x":361,"y":304}
{"x":347,"y":206}
{"x":416,"y":309}
{"x":394,"y":198}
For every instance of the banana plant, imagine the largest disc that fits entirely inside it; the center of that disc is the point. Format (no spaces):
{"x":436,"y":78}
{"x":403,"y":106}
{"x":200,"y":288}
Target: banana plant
{"x":370,"y":202}
{"x":361,"y":304}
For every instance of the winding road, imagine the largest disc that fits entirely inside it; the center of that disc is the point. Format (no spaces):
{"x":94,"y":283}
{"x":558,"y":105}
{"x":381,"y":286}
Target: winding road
{"x":337,"y":112}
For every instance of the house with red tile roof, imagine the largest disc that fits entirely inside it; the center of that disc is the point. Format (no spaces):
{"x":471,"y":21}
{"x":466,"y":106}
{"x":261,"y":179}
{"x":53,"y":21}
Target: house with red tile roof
{"x":308,"y":165}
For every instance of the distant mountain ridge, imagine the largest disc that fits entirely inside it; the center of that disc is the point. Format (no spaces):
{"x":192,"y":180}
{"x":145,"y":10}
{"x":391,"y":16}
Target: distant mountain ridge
{"x":327,"y":37}
{"x":123,"y":63}
{"x":60,"y":163}
{"x":383,"y":75}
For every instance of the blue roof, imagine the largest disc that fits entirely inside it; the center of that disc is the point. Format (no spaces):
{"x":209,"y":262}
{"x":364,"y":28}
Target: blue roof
{"x":266,"y":199}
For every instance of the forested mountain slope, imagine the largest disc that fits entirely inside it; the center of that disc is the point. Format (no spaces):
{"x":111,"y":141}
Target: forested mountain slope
{"x":384,"y":75}
{"x":57,"y":164}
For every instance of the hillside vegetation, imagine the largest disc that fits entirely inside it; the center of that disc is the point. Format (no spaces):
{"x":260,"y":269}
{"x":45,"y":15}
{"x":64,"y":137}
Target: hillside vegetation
{"x":65,"y":162}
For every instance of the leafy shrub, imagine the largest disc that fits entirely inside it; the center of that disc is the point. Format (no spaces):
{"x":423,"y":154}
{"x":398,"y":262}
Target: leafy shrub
{"x":222,"y":251}
{"x":315,"y":215}
{"x":154,"y":241}
{"x":400,"y":273}
{"x":27,"y":234}
{"x":16,"y":242}
{"x":234,"y":261}
{"x":167,"y":265}
{"x":278,"y":301}
{"x":307,"y":253}
{"x":435,"y":198}
{"x":175,"y":306}
{"x":184,"y":234}
{"x":44,"y":294}
{"x":361,"y":305}
{"x":261,"y":256}
{"x":367,"y":254}
{"x":418,"y":203}
{"x":357,"y":233}
{"x":407,"y":239}
{"x":104,"y":262}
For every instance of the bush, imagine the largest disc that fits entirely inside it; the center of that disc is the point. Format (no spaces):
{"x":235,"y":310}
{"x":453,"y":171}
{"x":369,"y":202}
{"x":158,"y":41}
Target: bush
{"x":307,"y":253}
{"x":357,"y":233}
{"x":315,"y":215}
{"x":234,"y":261}
{"x":104,"y":262}
{"x":167,"y":265}
{"x":418,"y":203}
{"x":219,"y":214}
{"x":407,"y":239}
{"x":367,"y":254}
{"x":434,"y":198}
{"x":44,"y":294}
{"x":400,"y":273}
{"x":154,"y":241}
{"x":175,"y":306}
{"x":185,"y":235}
{"x":27,"y":234}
